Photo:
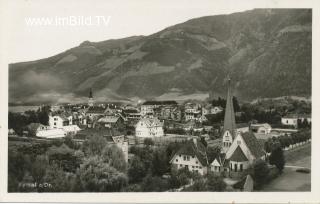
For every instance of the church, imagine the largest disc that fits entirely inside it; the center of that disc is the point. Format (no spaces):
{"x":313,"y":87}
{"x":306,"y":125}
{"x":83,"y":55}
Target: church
{"x":239,"y":149}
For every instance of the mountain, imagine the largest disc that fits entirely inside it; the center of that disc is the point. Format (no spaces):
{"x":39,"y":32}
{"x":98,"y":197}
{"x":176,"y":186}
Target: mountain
{"x":266,"y":52}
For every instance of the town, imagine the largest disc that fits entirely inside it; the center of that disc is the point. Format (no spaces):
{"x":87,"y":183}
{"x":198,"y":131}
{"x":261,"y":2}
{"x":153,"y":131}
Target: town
{"x":213,"y":145}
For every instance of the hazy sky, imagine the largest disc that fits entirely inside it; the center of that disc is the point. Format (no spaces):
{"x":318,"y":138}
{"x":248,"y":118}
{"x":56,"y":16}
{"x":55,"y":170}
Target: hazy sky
{"x":126,"y":18}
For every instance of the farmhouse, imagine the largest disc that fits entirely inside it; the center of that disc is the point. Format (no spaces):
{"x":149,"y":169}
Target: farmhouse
{"x":292,"y":119}
{"x":192,"y":156}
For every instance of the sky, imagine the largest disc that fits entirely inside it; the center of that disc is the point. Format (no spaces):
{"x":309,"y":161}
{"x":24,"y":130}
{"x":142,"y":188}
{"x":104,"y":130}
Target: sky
{"x":118,"y":19}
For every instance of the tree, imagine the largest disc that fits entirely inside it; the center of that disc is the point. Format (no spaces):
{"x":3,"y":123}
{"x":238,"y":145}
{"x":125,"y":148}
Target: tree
{"x":148,"y":142}
{"x":39,"y":167}
{"x":277,"y":158}
{"x":153,"y":184}
{"x":215,"y":183}
{"x":137,"y":170}
{"x":160,"y":163}
{"x":59,"y":181}
{"x":64,"y":157}
{"x":260,"y":173}
{"x":94,"y":145}
{"x":114,"y":156}
{"x":98,"y":176}
{"x":179,"y":177}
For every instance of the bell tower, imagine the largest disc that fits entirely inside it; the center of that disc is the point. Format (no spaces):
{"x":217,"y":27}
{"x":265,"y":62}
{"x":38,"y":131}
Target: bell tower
{"x":90,"y":101}
{"x":229,"y":126}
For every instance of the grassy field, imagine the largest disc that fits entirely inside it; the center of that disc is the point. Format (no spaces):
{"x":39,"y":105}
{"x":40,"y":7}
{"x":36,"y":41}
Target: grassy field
{"x":290,"y":180}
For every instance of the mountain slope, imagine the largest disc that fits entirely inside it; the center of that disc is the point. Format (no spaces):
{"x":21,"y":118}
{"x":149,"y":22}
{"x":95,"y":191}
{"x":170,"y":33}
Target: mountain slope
{"x":266,"y":51}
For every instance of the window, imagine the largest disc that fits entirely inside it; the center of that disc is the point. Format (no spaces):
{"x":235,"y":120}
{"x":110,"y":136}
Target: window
{"x":287,"y":121}
{"x":55,"y":119}
{"x":188,"y":158}
{"x":200,"y":167}
{"x":196,"y":162}
{"x":235,"y":167}
{"x":184,"y":158}
{"x":180,"y":165}
{"x":241,"y":167}
{"x":54,"y":123}
{"x":176,"y":160}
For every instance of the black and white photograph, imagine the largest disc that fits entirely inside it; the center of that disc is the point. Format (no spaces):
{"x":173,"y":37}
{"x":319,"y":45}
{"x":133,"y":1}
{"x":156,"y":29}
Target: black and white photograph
{"x":158,"y":96}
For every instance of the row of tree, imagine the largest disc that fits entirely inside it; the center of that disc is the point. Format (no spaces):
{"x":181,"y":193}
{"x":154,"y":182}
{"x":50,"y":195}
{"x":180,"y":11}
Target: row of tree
{"x":17,"y":121}
{"x":285,"y":141}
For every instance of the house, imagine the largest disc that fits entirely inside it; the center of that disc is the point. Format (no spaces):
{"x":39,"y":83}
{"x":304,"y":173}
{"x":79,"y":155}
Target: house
{"x":111,"y":121}
{"x":216,"y":110}
{"x":191,"y":156}
{"x":242,"y":127}
{"x":60,"y":120}
{"x":71,"y":129}
{"x":292,"y":119}
{"x":149,"y":127}
{"x":95,"y":111}
{"x":131,"y":114}
{"x":34,"y":128}
{"x":244,"y":150}
{"x":209,"y":109}
{"x":11,"y":132}
{"x":217,"y":166}
{"x":51,"y":133}
{"x":263,"y":128}
{"x":147,"y":108}
{"x":192,"y":108}
{"x":121,"y":142}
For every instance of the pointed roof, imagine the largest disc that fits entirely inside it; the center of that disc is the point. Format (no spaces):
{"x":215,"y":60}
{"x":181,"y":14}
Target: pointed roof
{"x":238,"y":155}
{"x":229,"y":117}
{"x":90,"y":93}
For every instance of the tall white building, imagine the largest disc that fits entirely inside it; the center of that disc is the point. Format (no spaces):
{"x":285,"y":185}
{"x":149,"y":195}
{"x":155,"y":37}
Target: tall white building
{"x":149,"y":127}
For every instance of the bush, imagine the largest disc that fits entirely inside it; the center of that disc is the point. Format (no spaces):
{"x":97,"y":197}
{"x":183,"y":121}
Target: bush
{"x":303,"y":170}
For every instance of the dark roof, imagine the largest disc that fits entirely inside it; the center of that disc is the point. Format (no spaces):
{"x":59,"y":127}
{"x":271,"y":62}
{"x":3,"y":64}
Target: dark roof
{"x":238,"y":155}
{"x":96,"y":109}
{"x":241,"y":125}
{"x":192,"y":149}
{"x":127,"y":111}
{"x":255,"y":147}
{"x":160,"y":103}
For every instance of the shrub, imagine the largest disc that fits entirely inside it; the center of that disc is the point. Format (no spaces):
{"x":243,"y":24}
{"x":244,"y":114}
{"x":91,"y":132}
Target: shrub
{"x":303,"y":170}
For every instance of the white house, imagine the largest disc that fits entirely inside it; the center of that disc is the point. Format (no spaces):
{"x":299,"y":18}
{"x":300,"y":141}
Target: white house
{"x":217,"y":165}
{"x":192,"y":156}
{"x":60,"y":120}
{"x":149,"y":127}
{"x":292,"y":119}
{"x":263,"y":128}
{"x":51,"y":133}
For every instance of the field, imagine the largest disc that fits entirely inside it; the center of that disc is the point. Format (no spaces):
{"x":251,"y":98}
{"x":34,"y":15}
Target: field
{"x":290,"y":180}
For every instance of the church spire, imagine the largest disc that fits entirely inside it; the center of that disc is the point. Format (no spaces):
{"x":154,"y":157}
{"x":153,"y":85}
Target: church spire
{"x":90,"y":93}
{"x":229,"y":117}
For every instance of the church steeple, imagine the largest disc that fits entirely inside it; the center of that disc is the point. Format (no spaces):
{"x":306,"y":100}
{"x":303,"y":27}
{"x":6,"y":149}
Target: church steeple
{"x":229,"y":126}
{"x":229,"y":116}
{"x":90,"y":102}
{"x":90,"y":93}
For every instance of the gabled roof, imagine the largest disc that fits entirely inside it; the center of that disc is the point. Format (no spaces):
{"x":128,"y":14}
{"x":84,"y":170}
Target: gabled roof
{"x":255,"y":147}
{"x":192,"y":149}
{"x":238,"y":155}
{"x":109,"y":119}
{"x":220,"y":158}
